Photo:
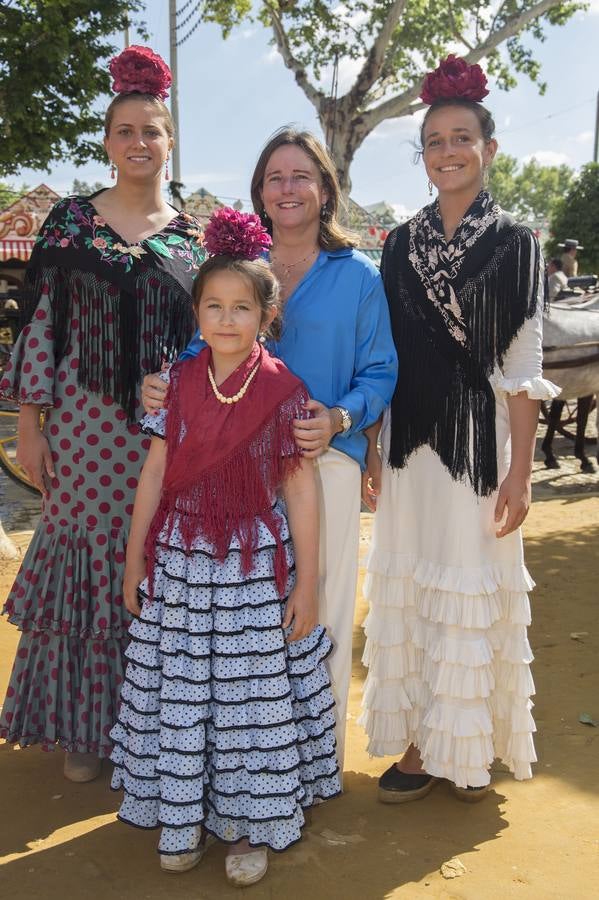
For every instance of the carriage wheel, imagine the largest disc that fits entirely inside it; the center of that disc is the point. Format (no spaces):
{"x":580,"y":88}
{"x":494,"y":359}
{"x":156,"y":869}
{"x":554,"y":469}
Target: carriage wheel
{"x":567,"y":418}
{"x":8,"y":449}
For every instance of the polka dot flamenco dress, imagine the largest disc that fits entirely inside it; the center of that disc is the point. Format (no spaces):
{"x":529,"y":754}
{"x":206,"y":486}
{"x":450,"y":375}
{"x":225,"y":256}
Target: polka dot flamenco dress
{"x":67,"y":598}
{"x":222,"y":723}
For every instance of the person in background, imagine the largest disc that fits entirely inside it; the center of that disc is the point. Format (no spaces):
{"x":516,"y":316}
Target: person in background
{"x":557,"y":280}
{"x":569,"y":262}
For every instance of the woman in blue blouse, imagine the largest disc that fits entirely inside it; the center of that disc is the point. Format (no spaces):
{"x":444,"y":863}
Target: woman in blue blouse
{"x":336,"y":337}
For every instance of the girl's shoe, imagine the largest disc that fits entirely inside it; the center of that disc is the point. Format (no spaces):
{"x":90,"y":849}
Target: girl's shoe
{"x":183,"y":862}
{"x":401,"y":787}
{"x":246,"y":868}
{"x":81,"y":767}
{"x":470,"y":794}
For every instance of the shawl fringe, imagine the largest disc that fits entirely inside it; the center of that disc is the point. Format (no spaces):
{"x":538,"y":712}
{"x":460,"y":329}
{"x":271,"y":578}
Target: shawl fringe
{"x":444,"y":397}
{"x":231,"y":496}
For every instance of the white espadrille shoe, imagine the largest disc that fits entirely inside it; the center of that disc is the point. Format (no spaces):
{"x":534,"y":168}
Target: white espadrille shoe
{"x":183,"y":862}
{"x":246,"y":868}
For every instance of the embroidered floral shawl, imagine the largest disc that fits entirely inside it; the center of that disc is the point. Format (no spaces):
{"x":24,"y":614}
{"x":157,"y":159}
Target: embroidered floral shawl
{"x":133,"y":299}
{"x":455,"y":308}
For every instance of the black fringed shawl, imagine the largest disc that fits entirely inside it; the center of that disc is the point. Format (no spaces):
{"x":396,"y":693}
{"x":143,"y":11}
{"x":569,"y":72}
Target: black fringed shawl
{"x":128,"y":305}
{"x":455,"y":308}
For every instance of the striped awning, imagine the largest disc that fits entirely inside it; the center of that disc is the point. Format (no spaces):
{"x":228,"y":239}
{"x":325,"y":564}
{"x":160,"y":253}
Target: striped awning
{"x":16,"y":249}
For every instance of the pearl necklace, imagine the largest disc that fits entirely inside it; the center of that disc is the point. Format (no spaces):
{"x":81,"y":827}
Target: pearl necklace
{"x":240,"y":393}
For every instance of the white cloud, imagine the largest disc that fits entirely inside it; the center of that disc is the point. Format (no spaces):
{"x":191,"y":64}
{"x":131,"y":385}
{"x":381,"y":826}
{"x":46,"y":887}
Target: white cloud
{"x":403,"y":212}
{"x":507,"y":121}
{"x":272,"y":56}
{"x":547,"y":158}
{"x":585,"y":137}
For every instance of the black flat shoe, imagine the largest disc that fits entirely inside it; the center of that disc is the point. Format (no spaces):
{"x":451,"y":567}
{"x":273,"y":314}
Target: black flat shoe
{"x":470,"y":794}
{"x":401,"y":787}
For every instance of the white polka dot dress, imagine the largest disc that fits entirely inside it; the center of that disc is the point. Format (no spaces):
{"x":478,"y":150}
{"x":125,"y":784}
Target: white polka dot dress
{"x":222,"y":723}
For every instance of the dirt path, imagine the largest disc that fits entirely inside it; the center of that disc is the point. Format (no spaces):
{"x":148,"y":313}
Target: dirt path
{"x":537,"y":839}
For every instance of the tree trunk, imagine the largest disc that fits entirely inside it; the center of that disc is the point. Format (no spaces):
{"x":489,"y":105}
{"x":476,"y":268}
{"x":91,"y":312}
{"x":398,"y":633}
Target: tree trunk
{"x":345,"y":134}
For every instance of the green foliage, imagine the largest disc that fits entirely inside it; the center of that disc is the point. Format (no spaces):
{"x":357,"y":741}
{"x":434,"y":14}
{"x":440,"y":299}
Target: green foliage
{"x":577,"y":216}
{"x":53,"y":67}
{"x":9,"y":193}
{"x":531,"y":193}
{"x":84,"y":189}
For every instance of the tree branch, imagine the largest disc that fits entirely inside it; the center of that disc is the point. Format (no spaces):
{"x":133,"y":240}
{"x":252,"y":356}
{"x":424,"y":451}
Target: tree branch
{"x":399,"y":105}
{"x":315,"y":96}
{"x":455,"y":29}
{"x":373,"y":65}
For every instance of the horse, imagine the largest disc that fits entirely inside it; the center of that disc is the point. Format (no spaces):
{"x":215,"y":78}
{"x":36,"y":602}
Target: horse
{"x":571,"y":359}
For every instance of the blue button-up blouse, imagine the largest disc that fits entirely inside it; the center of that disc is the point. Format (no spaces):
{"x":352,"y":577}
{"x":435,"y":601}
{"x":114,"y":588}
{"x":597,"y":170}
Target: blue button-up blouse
{"x":336,"y":337}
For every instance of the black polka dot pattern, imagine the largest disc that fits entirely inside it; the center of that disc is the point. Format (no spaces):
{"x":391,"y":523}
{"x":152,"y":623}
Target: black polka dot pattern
{"x":222,"y":722}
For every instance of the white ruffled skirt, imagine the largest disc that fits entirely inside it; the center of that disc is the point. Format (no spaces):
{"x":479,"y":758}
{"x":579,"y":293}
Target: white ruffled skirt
{"x":446,"y":646}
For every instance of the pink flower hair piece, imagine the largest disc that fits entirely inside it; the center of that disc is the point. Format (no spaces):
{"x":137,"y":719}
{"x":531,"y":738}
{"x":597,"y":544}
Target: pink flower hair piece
{"x":454,"y":77}
{"x":238,"y":234}
{"x":139,"y":69}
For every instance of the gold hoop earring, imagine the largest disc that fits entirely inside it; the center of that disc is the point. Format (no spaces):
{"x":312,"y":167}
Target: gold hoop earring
{"x":430,"y":188}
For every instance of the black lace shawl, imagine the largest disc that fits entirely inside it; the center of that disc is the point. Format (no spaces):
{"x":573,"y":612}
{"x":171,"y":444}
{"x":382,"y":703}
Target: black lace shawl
{"x":455,"y":309}
{"x":128,"y":305}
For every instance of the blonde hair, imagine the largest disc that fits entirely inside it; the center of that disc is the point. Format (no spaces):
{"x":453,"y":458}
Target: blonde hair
{"x":161,"y":109}
{"x":332,"y":235}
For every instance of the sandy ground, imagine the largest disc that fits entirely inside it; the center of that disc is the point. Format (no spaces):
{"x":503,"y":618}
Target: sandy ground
{"x":537,"y":839}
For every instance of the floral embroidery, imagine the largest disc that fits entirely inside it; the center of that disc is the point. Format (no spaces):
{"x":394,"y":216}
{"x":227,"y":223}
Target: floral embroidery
{"x":438,"y":262}
{"x":76,"y":224}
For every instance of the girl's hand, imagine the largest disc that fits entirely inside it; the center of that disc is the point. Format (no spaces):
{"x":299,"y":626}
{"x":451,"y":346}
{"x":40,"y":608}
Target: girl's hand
{"x":514,"y":497}
{"x":314,"y":435}
{"x":371,"y":478}
{"x":153,"y":392}
{"x":302,"y":610}
{"x":135,"y":572}
{"x":34,"y":455}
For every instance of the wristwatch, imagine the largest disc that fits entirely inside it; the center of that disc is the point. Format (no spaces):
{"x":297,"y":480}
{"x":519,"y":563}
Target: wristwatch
{"x":346,"y":422}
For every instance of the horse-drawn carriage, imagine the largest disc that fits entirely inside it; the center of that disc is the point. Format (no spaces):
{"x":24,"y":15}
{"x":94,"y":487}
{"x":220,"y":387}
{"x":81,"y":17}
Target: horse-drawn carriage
{"x":571,"y":359}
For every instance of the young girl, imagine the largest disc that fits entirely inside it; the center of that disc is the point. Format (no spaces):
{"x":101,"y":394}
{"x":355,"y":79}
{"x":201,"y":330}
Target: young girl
{"x":226,"y":724}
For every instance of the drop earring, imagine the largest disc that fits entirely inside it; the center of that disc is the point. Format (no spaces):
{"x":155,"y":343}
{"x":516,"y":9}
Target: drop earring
{"x":486,"y":177}
{"x":112,"y":170}
{"x":167,"y":177}
{"x":430,"y":188}
{"x":262,"y":338}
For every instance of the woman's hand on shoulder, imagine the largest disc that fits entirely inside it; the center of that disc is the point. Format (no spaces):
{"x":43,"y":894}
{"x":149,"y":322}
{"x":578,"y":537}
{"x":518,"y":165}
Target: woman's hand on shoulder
{"x":513,"y":503}
{"x":33,"y":450}
{"x":153,"y":392}
{"x":301,"y":610}
{"x":314,"y":435}
{"x":135,"y":572}
{"x":371,"y":478}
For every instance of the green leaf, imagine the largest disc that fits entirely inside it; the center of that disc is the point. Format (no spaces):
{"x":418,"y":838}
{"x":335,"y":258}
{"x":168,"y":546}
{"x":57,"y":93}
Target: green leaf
{"x":158,"y":246}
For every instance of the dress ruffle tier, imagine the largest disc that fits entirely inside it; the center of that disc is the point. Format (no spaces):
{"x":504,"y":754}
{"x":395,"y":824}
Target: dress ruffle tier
{"x":222,"y":722}
{"x":449,"y":666}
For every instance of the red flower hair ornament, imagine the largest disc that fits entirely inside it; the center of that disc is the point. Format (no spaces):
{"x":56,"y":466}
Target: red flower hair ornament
{"x":237,"y":234}
{"x":454,"y":77}
{"x":140,"y":70}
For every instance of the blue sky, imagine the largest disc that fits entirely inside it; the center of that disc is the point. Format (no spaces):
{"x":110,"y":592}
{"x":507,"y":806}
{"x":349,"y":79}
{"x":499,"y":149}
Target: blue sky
{"x":233,"y":94}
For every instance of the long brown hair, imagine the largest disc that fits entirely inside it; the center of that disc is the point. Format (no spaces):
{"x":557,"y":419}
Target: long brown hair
{"x":332,"y":235}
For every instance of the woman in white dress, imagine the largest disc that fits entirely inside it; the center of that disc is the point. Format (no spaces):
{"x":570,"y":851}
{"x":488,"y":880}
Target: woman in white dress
{"x":449,"y":682}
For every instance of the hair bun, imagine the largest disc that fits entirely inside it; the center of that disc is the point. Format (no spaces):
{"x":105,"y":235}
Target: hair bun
{"x":454,"y":77}
{"x":238,"y":234}
{"x":140,"y":70}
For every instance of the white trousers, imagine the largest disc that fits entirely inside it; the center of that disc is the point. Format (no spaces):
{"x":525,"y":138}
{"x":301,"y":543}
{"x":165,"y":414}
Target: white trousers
{"x":339,"y":482}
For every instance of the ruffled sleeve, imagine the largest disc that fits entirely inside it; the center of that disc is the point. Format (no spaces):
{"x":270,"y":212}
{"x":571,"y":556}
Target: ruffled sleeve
{"x":29,"y":376}
{"x":155,"y":425}
{"x":522,"y":368}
